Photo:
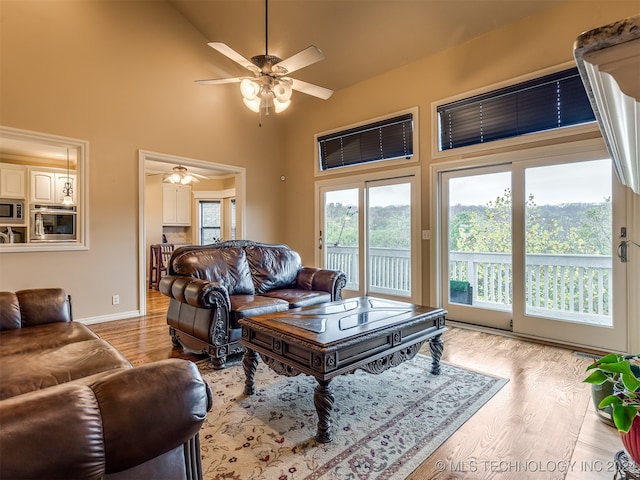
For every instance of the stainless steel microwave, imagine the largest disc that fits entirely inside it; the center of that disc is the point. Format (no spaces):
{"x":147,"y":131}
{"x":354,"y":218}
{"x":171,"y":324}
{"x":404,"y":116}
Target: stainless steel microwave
{"x":53,"y":223}
{"x":11,"y":211}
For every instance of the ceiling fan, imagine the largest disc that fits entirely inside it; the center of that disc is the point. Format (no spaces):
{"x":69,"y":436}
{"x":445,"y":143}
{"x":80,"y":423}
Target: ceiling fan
{"x":270,"y":86}
{"x":182,"y":176}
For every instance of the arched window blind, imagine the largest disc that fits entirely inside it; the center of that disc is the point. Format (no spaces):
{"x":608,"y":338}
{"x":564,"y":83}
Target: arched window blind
{"x":384,"y":140}
{"x":545,"y":103}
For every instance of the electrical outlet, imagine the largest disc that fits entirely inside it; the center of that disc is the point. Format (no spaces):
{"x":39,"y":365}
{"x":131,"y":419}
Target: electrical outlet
{"x":115,"y":300}
{"x":426,"y":234}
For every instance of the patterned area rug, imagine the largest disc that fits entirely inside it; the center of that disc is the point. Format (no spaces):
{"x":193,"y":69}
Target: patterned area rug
{"x":384,"y":425}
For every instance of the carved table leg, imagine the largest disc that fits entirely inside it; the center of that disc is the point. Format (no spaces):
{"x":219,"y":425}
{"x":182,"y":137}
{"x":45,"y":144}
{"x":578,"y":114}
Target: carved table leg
{"x":436,"y":346}
{"x":250,"y":364}
{"x":323,"y":399}
{"x":219,"y":362}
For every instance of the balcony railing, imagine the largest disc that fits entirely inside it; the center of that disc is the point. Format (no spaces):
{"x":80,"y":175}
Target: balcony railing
{"x":570,"y":287}
{"x":390,"y":268}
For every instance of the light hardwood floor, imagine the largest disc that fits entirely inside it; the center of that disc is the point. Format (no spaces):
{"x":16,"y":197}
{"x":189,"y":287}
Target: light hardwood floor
{"x":541,"y":425}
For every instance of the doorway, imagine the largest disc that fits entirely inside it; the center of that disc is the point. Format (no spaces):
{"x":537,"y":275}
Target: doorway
{"x":152,"y":162}
{"x":369,"y":229}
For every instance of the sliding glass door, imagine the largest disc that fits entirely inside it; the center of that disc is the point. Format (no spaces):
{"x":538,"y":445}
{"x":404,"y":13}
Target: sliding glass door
{"x":476,"y":230}
{"x":370,"y":230}
{"x":530,"y":246}
{"x":573,"y":283}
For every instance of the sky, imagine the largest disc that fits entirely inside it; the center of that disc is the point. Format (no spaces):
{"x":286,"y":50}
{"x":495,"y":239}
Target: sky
{"x":380,"y":196}
{"x":582,"y":182}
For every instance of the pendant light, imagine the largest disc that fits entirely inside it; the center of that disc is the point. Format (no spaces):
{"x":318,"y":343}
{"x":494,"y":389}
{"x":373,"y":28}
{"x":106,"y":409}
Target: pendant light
{"x":67,"y":190}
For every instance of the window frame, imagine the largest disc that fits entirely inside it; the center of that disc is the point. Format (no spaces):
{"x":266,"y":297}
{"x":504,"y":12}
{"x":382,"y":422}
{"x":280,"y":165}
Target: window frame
{"x":395,"y":162}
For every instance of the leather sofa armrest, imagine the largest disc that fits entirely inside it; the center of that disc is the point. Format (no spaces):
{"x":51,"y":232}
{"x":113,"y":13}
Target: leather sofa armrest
{"x":118,"y":421}
{"x":149,"y":410}
{"x":195,"y":292}
{"x":321,"y":279}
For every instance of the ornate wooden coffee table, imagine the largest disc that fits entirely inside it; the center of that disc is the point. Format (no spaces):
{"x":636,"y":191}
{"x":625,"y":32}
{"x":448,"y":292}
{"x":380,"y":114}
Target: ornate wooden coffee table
{"x":337,"y":338}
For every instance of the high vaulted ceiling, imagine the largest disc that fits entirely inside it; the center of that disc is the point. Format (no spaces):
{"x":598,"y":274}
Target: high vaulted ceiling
{"x":360,"y":38}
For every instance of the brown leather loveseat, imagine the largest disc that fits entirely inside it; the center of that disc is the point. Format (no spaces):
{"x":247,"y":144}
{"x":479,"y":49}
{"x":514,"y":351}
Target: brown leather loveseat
{"x":72,"y":407}
{"x":211,"y":287}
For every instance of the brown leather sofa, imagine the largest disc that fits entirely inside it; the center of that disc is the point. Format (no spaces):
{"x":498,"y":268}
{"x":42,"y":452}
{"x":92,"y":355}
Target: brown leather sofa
{"x":72,"y":407}
{"x":211,"y":287}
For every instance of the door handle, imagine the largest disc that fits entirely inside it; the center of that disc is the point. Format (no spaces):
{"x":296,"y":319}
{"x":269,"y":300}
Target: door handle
{"x":622,"y":251}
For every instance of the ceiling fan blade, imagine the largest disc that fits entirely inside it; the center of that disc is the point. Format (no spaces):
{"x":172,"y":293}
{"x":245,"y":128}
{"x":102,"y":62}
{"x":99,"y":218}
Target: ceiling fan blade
{"x":219,"y":81}
{"x":304,"y":58}
{"x":311,"y":89}
{"x":229,"y":52}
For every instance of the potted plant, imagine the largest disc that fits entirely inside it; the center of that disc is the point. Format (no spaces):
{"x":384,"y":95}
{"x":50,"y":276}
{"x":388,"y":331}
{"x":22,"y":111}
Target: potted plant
{"x":623,"y":372}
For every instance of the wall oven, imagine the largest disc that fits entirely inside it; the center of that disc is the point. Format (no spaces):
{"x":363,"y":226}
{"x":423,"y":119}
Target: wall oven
{"x":11,"y":212}
{"x":53,"y":223}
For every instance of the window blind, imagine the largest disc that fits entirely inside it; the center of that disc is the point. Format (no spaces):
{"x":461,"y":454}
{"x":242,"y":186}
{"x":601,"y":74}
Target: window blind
{"x":545,"y":103}
{"x":384,"y":140}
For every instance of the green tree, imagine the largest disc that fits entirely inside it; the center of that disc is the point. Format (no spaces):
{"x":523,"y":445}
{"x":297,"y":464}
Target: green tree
{"x":566,"y":229}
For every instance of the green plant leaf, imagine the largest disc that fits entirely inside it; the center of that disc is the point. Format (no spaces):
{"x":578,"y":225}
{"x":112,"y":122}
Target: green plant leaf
{"x":631,"y":383}
{"x":623,"y":417}
{"x":610,"y":358}
{"x":623,"y":367}
{"x":596,"y":378}
{"x":610,"y":400}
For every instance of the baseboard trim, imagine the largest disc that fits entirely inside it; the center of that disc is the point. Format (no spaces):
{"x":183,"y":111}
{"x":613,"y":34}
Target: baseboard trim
{"x":530,"y":338}
{"x":109,"y":318}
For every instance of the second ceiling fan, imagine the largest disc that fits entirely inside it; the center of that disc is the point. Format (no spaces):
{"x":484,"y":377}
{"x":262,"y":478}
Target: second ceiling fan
{"x":271,"y":87}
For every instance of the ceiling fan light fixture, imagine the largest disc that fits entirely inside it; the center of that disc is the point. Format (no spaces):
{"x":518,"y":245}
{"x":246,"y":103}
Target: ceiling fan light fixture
{"x":270,"y":90}
{"x":279,"y":106}
{"x":282,"y":90}
{"x":253,"y":105}
{"x":182,"y":176}
{"x":249,"y":89}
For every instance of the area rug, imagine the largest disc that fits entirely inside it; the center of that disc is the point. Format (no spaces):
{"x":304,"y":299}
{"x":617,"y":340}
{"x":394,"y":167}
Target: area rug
{"x":384,"y":426}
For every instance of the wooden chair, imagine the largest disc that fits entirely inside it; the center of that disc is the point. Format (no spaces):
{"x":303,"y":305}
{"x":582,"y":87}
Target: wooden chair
{"x":158,"y":260}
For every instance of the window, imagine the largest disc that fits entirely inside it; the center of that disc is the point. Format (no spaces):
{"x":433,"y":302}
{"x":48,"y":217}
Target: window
{"x":386,"y":139}
{"x":210,"y":226}
{"x":545,"y":103}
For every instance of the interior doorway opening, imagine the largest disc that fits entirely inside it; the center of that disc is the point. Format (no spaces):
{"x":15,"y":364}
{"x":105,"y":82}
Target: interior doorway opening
{"x":157,"y":164}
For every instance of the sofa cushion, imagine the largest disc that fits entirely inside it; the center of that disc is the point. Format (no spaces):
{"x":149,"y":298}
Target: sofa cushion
{"x":273,"y":267}
{"x":43,"y":337}
{"x":28,"y":372}
{"x":300,"y":298}
{"x":227,"y":266}
{"x":39,"y":306}
{"x":243,"y":306}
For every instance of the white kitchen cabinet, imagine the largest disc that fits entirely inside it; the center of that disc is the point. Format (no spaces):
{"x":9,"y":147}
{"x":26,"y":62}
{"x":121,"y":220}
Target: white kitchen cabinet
{"x":176,"y":205}
{"x":47,"y":186}
{"x":12,"y":181}
{"x":43,"y":187}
